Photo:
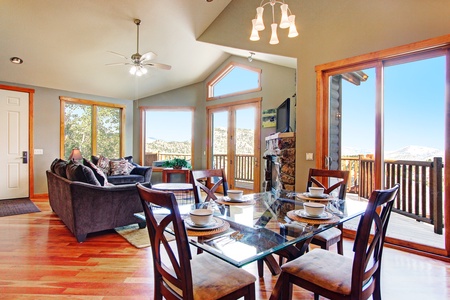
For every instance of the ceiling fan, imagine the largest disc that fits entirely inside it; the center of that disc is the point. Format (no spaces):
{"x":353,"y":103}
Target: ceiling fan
{"x":140,"y":62}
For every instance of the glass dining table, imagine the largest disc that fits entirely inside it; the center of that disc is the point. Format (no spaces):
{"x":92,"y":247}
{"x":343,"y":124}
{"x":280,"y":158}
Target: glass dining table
{"x":261,"y":224}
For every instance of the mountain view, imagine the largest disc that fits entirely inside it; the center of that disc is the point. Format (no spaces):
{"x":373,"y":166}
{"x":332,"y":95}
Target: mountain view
{"x":244,"y":143}
{"x":416,"y":153}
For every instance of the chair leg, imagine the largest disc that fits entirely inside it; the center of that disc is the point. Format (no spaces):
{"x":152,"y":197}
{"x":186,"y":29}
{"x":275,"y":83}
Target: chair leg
{"x":340,"y":247}
{"x":316,"y":296}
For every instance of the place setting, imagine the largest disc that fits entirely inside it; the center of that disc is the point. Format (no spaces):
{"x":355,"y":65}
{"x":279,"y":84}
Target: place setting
{"x":313,"y":213}
{"x":314,"y":194}
{"x":202,"y":222}
{"x":236,"y":197}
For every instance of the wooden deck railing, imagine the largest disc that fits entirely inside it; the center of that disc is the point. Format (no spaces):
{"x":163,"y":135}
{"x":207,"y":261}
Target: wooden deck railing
{"x":244,"y":163}
{"x":421,"y":186}
{"x":243,"y":166}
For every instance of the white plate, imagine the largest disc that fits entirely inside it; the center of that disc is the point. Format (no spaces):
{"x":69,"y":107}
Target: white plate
{"x":228,"y":199}
{"x":215,"y":223}
{"x":323,"y":197}
{"x":325,"y":216}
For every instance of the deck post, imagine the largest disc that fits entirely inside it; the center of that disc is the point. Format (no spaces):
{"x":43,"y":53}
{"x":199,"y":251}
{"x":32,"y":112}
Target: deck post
{"x":437,"y":212}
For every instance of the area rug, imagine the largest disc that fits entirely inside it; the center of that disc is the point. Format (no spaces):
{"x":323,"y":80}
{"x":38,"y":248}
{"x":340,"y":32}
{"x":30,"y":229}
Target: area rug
{"x":137,"y":237}
{"x":19,"y":206}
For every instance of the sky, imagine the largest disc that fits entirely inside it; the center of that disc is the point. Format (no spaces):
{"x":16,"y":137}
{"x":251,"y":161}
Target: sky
{"x":414,"y":95}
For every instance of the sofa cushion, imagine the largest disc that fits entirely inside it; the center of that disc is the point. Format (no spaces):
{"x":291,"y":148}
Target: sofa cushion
{"x":120,"y":167}
{"x":101,"y":177}
{"x":58,"y":167}
{"x":78,"y":172}
{"x":103,"y":164}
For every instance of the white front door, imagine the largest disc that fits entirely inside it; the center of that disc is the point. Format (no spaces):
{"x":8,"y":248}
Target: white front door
{"x":14,"y":156}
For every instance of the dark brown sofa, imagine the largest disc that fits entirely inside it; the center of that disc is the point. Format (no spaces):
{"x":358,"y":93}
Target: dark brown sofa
{"x":86,"y":208}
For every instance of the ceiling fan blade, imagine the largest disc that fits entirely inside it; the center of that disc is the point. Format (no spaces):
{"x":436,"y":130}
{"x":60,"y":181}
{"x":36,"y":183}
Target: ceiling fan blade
{"x":118,"y":54}
{"x":158,"y":66}
{"x":148,"y":56}
{"x":116,"y":64}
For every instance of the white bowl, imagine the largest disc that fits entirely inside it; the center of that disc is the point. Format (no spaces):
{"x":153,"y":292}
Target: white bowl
{"x":235,"y":194}
{"x":201,"y":216}
{"x":316,"y":191}
{"x":313,"y":208}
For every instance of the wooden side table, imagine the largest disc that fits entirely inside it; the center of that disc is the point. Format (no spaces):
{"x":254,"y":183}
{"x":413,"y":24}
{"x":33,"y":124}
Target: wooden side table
{"x":167,"y":172}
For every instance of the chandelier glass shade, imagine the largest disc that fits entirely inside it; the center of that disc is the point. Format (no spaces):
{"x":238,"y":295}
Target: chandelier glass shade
{"x":287,"y":21}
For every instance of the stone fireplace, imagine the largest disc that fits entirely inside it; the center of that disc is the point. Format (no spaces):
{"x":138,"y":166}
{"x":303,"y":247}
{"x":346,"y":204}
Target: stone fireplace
{"x":280,"y":163}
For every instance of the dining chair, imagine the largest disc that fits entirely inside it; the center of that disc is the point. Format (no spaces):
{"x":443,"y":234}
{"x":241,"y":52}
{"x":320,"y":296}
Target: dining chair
{"x":209,"y":182}
{"x":336,"y":180}
{"x":335,"y":276}
{"x":178,"y":274}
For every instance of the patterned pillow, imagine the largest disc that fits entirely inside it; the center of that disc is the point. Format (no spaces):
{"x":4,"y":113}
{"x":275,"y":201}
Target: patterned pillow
{"x":103,"y":164}
{"x":120,"y":167}
{"x":101,"y":177}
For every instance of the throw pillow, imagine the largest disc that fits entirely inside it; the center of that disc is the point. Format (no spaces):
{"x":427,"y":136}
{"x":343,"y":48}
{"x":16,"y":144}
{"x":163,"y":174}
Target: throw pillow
{"x":58,"y":167}
{"x":101,"y":177}
{"x":77,"y":172}
{"x":103,"y":164}
{"x":119,"y":167}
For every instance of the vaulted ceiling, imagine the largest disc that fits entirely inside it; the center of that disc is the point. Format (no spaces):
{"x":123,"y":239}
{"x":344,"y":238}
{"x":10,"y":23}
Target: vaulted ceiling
{"x":65,"y":44}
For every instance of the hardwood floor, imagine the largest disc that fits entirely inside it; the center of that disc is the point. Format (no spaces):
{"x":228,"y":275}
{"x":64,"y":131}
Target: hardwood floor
{"x":40,"y":259}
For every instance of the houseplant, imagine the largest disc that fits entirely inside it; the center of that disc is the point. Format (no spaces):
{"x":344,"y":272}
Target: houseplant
{"x":177,"y":163}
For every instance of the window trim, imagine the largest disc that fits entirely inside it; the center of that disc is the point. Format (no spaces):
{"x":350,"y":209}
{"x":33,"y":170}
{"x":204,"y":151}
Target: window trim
{"x":223,"y":73}
{"x":94,"y":104}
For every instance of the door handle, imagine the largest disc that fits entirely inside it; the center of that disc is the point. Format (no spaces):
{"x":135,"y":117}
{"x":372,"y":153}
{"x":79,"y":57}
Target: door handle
{"x":24,"y":157}
{"x":328,"y":161}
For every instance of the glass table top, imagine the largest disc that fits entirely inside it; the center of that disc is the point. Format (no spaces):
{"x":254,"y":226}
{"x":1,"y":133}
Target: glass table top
{"x":259,"y":225}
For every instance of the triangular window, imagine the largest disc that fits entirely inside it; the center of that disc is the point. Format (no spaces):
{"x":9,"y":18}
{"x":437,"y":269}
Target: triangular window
{"x":233,"y":80}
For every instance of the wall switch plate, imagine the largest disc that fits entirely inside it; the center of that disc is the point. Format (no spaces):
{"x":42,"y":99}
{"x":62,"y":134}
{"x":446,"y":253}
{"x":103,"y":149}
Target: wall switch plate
{"x":38,"y":151}
{"x":309,"y":156}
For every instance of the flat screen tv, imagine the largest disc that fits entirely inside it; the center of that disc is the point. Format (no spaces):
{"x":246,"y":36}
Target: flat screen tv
{"x":283,"y":114}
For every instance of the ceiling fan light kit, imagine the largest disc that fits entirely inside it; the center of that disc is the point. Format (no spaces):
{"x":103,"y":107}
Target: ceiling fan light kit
{"x":287,"y":21}
{"x":138,"y":61}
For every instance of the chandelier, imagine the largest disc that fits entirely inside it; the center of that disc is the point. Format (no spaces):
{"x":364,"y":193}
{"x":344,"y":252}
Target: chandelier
{"x":287,"y":21}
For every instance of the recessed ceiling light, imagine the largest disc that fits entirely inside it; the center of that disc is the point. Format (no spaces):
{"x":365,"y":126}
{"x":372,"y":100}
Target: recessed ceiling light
{"x":16,"y":60}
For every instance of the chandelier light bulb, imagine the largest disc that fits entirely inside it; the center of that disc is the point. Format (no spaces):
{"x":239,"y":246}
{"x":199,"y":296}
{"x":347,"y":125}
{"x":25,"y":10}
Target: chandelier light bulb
{"x":259,"y":25}
{"x":284,"y":16}
{"x":144,"y":70}
{"x":292,"y":28}
{"x":274,"y":38}
{"x":254,"y":36}
{"x":133,"y":70}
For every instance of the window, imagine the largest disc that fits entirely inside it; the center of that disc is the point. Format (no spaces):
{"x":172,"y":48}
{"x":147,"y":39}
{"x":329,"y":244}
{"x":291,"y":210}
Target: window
{"x":234,"y":79}
{"x":93,"y":127}
{"x":167,"y":134}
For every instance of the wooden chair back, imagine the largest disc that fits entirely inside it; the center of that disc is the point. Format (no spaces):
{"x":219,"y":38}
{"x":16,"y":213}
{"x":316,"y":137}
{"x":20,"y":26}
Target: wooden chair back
{"x":369,"y":248}
{"x":175,"y":279}
{"x":317,"y":177}
{"x":209,"y":182}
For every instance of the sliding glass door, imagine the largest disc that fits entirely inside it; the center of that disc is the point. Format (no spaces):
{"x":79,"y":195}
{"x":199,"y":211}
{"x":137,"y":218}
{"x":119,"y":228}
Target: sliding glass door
{"x":385,"y":118}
